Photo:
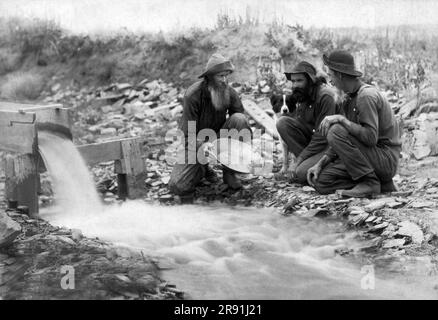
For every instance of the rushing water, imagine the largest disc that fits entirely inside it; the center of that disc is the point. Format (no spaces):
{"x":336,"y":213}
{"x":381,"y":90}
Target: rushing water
{"x":217,"y":252}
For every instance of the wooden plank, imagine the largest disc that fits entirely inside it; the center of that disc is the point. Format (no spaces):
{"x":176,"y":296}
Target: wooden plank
{"x":22,"y":181}
{"x":101,"y":152}
{"x":58,"y":116}
{"x":19,"y":138}
{"x":8,"y":118}
{"x":54,"y":113}
{"x":260,"y":117}
{"x":106,"y":151}
{"x":13,"y":106}
{"x":132,"y":156}
{"x":135,"y":168}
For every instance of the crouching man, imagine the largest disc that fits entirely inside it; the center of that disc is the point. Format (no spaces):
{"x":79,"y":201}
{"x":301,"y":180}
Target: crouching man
{"x":206,"y":106}
{"x":310,"y":102}
{"x":364,"y":142}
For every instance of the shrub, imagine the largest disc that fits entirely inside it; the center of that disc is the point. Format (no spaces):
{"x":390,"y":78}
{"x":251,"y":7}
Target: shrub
{"x":22,"y":86}
{"x":9,"y":60}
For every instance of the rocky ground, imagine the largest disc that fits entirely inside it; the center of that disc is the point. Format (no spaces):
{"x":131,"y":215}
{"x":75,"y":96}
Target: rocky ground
{"x":399,"y":226}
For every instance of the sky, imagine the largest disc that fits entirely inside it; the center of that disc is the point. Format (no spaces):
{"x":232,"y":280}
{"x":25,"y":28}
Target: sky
{"x":169,"y":15}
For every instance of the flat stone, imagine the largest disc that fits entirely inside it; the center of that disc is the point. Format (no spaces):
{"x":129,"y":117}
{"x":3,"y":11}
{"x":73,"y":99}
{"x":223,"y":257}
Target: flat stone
{"x":411,"y":230}
{"x":422,"y":204}
{"x":108,"y":131}
{"x":9,"y":230}
{"x":379,"y":226}
{"x":308,"y":189}
{"x":375,"y":205}
{"x":393,"y":243}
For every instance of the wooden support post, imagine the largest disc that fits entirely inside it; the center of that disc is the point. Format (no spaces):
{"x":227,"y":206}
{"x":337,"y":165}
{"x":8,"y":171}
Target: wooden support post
{"x":130,"y":170}
{"x":22,"y":182}
{"x":122,"y":182}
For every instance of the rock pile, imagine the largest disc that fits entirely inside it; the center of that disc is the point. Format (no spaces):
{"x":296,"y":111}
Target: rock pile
{"x":35,"y":265}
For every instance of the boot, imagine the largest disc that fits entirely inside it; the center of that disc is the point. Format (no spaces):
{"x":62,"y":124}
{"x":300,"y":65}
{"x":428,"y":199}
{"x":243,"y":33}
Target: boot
{"x":367,"y":186}
{"x":231,"y":180}
{"x":210,"y":175}
{"x":388,"y":186}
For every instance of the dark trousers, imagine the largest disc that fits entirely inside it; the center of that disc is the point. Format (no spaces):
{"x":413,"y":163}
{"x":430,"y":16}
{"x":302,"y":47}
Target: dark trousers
{"x":355,"y":160}
{"x":297,"y":136}
{"x":185,"y":177}
{"x":294,"y":134}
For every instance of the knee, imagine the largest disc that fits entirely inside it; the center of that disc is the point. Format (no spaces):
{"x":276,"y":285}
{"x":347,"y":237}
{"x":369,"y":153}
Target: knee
{"x":281,"y":125}
{"x":301,"y":173}
{"x":238,"y":119}
{"x":323,"y":183}
{"x":178,"y":186}
{"x":336,"y":132}
{"x":285,"y":125}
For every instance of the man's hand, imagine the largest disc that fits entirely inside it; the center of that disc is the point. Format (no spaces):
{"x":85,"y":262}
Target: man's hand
{"x":208,"y":151}
{"x":328,"y":121}
{"x":287,"y":172}
{"x":313,"y":174}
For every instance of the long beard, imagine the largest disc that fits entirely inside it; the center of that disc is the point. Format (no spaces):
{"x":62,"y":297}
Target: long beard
{"x":220,"y":97}
{"x":340,"y":96}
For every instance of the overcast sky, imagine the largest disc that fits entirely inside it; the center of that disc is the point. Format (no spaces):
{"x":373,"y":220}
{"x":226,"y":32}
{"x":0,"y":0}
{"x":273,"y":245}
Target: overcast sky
{"x":153,"y":15}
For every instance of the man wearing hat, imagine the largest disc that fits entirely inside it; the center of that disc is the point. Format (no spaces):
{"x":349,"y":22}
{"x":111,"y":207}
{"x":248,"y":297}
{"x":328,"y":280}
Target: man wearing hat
{"x":206,"y":105}
{"x":364,"y":142}
{"x":311,"y":101}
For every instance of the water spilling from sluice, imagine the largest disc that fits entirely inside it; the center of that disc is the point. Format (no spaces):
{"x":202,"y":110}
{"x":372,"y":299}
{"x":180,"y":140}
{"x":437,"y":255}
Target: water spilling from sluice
{"x":72,"y":182}
{"x":217,"y":252}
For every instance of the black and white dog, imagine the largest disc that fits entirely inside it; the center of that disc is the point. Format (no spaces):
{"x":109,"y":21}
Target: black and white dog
{"x":283,"y":105}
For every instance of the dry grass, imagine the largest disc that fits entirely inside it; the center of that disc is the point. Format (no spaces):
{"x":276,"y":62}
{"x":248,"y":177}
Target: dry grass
{"x":22,"y":86}
{"x":391,"y":57}
{"x":9,"y":60}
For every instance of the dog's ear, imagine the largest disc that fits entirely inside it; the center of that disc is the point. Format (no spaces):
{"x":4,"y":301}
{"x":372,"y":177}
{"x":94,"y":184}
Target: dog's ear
{"x":291,"y":103}
{"x":276,"y":102}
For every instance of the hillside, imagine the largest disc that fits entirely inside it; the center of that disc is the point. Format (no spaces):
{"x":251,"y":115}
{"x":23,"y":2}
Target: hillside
{"x":44,"y":54}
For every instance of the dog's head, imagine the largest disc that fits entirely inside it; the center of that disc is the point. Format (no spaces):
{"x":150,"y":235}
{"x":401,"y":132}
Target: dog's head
{"x":278,"y":106}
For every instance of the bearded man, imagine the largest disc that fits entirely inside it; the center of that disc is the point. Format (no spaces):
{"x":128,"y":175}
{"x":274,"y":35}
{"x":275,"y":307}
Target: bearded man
{"x":310,"y":102}
{"x":206,"y":106}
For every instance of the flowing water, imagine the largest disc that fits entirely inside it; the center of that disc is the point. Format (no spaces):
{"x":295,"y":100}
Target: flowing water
{"x":217,"y":252}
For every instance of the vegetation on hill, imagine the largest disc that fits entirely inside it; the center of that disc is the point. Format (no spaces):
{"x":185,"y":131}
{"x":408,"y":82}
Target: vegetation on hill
{"x":397,"y":58}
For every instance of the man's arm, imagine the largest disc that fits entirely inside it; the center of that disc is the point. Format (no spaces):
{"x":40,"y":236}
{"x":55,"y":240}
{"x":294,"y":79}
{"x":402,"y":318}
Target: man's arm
{"x":367,"y":128}
{"x":318,"y":143}
{"x":190,"y":113}
{"x":236,"y":105}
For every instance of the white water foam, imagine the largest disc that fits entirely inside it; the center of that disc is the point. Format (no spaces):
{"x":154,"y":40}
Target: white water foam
{"x":72,"y":183}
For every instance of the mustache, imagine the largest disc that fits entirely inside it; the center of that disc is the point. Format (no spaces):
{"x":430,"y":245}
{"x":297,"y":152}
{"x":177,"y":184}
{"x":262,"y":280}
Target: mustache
{"x":300,"y":93}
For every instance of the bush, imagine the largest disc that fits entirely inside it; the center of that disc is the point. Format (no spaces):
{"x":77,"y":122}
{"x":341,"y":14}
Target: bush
{"x":9,"y":60}
{"x":23,"y":86}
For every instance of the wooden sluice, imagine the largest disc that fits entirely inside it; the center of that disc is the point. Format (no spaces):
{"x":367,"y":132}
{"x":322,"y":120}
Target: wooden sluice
{"x":19,"y":126}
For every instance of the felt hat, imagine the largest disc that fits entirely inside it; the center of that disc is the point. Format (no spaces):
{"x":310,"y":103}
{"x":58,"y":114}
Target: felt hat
{"x":303,"y":67}
{"x":216,"y":64}
{"x":341,"y":61}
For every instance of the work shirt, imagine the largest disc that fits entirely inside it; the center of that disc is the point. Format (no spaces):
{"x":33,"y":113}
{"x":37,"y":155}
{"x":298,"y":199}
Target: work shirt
{"x":371,"y":110}
{"x":197,"y":106}
{"x":310,"y":114}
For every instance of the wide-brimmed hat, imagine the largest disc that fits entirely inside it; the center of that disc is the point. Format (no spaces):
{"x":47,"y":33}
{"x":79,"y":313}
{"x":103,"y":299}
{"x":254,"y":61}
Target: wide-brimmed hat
{"x":216,"y":64}
{"x":303,"y":67}
{"x":341,"y":61}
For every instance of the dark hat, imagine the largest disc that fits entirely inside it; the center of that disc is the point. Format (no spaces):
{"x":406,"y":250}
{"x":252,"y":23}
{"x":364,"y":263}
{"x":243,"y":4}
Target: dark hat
{"x":341,"y":61}
{"x":216,"y":64}
{"x":303,"y":67}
